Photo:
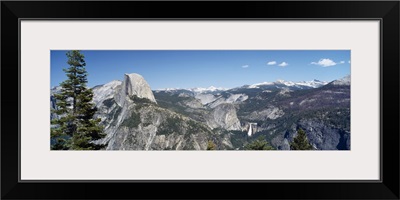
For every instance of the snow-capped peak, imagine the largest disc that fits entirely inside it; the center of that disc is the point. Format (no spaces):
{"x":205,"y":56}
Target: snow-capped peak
{"x":343,"y":81}
{"x":287,"y":83}
{"x":314,"y":83}
{"x":196,"y":90}
{"x":167,"y":89}
{"x":209,"y":89}
{"x":259,"y":84}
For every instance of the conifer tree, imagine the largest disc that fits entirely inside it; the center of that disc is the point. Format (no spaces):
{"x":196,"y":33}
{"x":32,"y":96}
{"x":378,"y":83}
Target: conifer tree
{"x":211,"y":145}
{"x":75,"y":128}
{"x":300,"y":142}
{"x":259,"y":144}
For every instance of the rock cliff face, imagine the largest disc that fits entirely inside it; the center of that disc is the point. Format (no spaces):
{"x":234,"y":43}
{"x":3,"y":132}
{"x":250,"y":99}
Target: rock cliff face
{"x":134,"y":121}
{"x":321,"y":136}
{"x":134,"y":85}
{"x":268,"y":113}
{"x":224,"y":116}
{"x":143,"y":125}
{"x":149,"y":127}
{"x":106,"y":91}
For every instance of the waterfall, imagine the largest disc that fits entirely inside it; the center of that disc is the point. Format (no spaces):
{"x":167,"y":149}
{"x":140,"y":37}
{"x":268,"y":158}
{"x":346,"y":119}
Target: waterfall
{"x":249,"y":133}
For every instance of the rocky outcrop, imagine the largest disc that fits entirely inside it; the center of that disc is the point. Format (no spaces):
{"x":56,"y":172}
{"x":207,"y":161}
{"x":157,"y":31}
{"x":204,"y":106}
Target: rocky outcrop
{"x":320,"y":135}
{"x":106,"y":91}
{"x":323,"y":136}
{"x":114,"y":100}
{"x":213,"y":100}
{"x":133,"y":85}
{"x":224,"y":116}
{"x":192,"y":103}
{"x":133,"y":120}
{"x":269,"y":113}
{"x":280,"y":142}
{"x":149,"y":127}
{"x":206,"y":98}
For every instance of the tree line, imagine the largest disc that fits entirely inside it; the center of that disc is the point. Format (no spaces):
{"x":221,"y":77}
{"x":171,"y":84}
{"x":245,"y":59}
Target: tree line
{"x":300,"y":142}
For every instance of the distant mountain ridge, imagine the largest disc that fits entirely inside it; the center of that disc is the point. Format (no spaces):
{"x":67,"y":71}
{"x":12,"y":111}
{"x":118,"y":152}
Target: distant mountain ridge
{"x":343,"y":81}
{"x":311,"y":84}
{"x":137,"y":118}
{"x":279,"y":83}
{"x":302,"y":84}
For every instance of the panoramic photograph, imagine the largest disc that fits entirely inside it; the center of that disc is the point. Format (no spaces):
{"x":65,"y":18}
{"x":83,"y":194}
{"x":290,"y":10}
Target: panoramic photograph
{"x":200,"y":100}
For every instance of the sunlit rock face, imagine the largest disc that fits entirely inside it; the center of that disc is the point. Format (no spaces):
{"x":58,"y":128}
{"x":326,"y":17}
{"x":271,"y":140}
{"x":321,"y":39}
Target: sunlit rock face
{"x":134,"y":85}
{"x":224,"y":116}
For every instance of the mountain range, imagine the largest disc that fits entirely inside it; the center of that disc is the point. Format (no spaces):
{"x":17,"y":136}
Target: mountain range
{"x":137,"y":118}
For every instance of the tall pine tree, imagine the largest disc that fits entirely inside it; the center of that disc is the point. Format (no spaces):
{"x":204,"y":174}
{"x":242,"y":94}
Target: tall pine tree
{"x":75,"y":128}
{"x":259,"y":144}
{"x":300,"y":142}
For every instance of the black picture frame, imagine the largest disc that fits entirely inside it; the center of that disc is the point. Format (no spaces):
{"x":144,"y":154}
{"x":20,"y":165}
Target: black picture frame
{"x":386,"y":11}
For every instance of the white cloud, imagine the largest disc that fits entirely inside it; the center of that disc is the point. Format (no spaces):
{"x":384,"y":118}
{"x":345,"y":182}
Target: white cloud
{"x":324,"y":62}
{"x":283,"y":64}
{"x":245,"y":66}
{"x":349,"y":61}
{"x":342,"y":62}
{"x":271,"y":63}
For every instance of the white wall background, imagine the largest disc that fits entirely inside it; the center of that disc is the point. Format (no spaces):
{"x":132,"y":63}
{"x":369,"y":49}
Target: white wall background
{"x":39,"y":37}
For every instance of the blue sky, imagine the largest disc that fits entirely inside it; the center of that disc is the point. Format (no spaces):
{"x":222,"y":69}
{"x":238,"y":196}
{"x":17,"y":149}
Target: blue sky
{"x":205,"y":68}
